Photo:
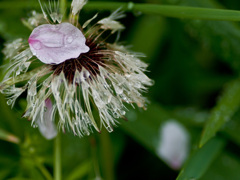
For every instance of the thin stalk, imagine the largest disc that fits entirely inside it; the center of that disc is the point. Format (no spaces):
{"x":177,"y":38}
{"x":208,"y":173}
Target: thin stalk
{"x":43,"y":170}
{"x":95,"y":158}
{"x":169,"y":10}
{"x":57,"y":158}
{"x":6,"y":136}
{"x":107,"y":156}
{"x":63,"y":8}
{"x":145,"y":8}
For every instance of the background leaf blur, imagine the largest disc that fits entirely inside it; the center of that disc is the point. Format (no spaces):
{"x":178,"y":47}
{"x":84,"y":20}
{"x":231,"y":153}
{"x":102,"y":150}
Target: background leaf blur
{"x":195,"y":64}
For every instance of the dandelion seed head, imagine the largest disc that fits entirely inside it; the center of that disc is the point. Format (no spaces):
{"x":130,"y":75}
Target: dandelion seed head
{"x":77,"y":5}
{"x":80,"y":71}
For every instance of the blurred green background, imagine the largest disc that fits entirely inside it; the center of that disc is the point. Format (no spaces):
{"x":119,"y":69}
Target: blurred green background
{"x":195,"y":65}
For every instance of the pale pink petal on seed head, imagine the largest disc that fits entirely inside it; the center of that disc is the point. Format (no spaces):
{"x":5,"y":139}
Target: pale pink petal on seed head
{"x":46,"y":126}
{"x":54,"y":44}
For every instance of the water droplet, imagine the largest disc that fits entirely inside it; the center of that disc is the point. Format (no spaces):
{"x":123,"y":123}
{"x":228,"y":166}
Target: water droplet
{"x":69,"y":39}
{"x":115,"y":114}
{"x":56,"y":27}
{"x":137,"y":85}
{"x":128,"y":75}
{"x":118,"y":90}
{"x":9,"y":102}
{"x":46,"y":84}
{"x":123,"y":113}
{"x":35,"y":126}
{"x":37,"y":45}
{"x":18,"y":72}
{"x":109,"y":129}
{"x":109,"y":98}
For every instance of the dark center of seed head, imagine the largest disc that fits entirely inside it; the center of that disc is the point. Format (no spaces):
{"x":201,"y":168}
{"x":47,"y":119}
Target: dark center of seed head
{"x":90,"y":61}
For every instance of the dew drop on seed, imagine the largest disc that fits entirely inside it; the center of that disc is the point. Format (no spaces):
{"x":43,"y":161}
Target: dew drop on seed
{"x":35,"y":126}
{"x":56,"y":27}
{"x":17,"y":73}
{"x":115,"y":115}
{"x":123,"y":113}
{"x":9,"y":102}
{"x":109,"y":129}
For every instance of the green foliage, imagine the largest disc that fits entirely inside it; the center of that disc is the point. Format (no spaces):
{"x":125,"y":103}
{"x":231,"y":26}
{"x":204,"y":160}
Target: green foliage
{"x":223,"y":111}
{"x":197,"y":165}
{"x":194,"y":60}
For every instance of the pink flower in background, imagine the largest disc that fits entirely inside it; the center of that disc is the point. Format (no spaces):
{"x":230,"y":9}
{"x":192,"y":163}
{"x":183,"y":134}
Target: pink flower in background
{"x":174,"y":144}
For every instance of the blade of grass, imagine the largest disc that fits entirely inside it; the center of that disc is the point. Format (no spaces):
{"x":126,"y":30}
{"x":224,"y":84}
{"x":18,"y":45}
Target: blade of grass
{"x":156,"y":9}
{"x":43,"y":170}
{"x":225,"y":109}
{"x":170,"y":11}
{"x":80,"y":171}
{"x":199,"y":162}
{"x":6,"y":136}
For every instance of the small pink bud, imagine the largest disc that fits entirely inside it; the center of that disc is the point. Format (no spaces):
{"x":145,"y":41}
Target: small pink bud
{"x":54,"y":44}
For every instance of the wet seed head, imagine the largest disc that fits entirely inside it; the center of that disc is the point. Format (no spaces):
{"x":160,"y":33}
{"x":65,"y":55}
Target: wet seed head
{"x":90,"y":61}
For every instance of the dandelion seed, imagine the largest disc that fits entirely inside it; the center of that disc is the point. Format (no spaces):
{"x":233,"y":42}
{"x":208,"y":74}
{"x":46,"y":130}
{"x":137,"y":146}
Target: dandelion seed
{"x":78,"y":71}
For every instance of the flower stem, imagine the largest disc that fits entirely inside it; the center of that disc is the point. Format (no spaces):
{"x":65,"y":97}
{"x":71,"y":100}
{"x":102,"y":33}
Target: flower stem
{"x":106,"y":153}
{"x":43,"y":170}
{"x":95,"y":158}
{"x":57,"y":158}
{"x":145,"y":8}
{"x":169,"y":10}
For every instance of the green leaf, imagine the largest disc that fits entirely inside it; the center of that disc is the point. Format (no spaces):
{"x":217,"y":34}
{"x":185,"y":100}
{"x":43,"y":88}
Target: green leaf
{"x":225,"y":167}
{"x":231,"y":129}
{"x":199,"y":162}
{"x":225,"y":109}
{"x":80,"y":171}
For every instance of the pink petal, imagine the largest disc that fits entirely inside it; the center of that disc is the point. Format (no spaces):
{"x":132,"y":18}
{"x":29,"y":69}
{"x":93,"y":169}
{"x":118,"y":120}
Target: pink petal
{"x":46,"y":126}
{"x":54,"y":44}
{"x":174,"y":144}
